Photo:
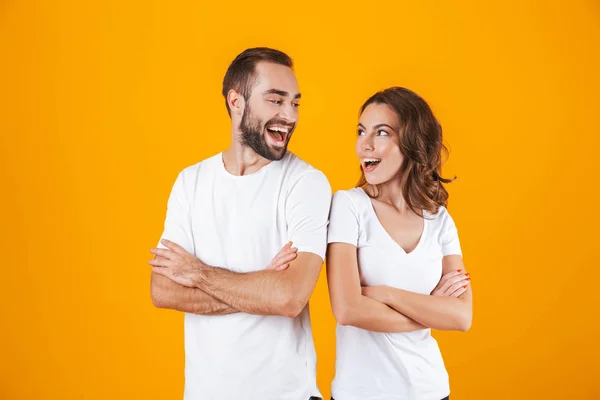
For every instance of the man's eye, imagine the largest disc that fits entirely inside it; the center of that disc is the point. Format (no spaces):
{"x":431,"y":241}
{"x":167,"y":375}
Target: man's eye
{"x":296,"y":105}
{"x":275,"y":101}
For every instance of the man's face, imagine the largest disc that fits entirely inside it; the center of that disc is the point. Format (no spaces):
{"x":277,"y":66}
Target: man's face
{"x":271,"y":112}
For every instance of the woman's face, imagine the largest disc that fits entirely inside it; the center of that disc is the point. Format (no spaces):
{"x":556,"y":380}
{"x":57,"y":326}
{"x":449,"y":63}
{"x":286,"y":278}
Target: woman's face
{"x":378,"y":144}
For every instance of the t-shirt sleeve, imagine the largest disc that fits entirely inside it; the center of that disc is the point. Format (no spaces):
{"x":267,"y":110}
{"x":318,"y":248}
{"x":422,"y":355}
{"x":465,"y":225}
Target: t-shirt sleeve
{"x":343,"y":220}
{"x":307,"y":213}
{"x":177,"y":227}
{"x":450,"y":241}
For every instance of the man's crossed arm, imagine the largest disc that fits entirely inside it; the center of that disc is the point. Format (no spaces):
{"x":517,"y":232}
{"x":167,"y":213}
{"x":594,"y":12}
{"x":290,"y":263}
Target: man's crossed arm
{"x":182,"y":282}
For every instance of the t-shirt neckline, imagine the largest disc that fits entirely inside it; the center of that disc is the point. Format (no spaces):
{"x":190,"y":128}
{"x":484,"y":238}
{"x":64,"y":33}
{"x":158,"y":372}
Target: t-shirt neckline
{"x":260,"y":172}
{"x":387,"y":234}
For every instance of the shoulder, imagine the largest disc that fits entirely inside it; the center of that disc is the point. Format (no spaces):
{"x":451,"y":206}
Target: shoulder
{"x":441,"y":214}
{"x":295,"y":166}
{"x":188,"y":177}
{"x":203,"y":166}
{"x":354,"y":199}
{"x":346,"y":196}
{"x":299,"y":172}
{"x":438,"y":217}
{"x":441,"y":221}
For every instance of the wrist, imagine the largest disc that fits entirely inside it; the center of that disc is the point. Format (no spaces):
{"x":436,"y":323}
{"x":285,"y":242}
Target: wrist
{"x":384,"y":293}
{"x":379,"y":293}
{"x":199,"y":274}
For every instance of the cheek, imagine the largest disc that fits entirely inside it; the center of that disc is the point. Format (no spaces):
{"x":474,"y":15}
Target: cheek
{"x":261,"y":112}
{"x":391,"y":153}
{"x":259,"y":121}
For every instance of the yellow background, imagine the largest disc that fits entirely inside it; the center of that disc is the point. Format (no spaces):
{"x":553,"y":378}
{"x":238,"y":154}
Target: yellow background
{"x":103,"y":103}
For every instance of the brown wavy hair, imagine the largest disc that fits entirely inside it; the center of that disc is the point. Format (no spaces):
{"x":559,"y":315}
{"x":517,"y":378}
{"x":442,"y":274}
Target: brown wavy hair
{"x":422,"y":147}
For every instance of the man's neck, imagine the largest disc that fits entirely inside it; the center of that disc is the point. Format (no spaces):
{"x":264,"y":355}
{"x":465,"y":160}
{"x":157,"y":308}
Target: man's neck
{"x":241,"y":160}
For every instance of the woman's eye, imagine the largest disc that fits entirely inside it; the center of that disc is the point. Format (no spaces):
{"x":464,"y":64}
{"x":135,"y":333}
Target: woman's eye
{"x":382,"y":133}
{"x":361,"y":132}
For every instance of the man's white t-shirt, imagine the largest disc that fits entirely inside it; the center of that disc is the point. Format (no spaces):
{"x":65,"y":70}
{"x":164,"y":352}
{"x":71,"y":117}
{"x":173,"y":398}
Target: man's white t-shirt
{"x":240,"y":223}
{"x":390,"y":366}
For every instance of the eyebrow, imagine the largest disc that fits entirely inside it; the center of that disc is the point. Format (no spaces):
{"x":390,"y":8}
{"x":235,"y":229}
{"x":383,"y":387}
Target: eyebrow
{"x":281,"y":93}
{"x":377,"y":126}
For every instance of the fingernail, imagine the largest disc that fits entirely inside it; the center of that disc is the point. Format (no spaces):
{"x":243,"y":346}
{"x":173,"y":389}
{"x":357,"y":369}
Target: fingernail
{"x":468,"y":279}
{"x":465,"y":286}
{"x":468,"y":273}
{"x":459,"y":270}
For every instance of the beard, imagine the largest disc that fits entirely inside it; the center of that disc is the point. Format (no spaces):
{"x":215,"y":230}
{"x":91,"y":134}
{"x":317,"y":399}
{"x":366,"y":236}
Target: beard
{"x":254,"y":135}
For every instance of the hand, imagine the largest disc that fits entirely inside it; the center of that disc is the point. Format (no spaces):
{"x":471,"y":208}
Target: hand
{"x":453,"y":284}
{"x":281,"y":261}
{"x":176,"y":264}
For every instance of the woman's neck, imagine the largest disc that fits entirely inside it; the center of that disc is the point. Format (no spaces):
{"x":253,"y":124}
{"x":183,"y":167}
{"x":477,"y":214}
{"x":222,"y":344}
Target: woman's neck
{"x":390,"y":193}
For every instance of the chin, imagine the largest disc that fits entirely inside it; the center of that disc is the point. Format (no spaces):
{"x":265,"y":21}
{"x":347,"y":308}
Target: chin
{"x":277,"y":153}
{"x":374,"y":180}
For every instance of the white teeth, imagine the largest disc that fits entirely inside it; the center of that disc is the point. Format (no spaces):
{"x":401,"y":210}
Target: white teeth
{"x":371,"y":159}
{"x":278,"y":129}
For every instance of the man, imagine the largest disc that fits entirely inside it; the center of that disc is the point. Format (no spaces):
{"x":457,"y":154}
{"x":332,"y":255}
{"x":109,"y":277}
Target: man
{"x":247,"y":323}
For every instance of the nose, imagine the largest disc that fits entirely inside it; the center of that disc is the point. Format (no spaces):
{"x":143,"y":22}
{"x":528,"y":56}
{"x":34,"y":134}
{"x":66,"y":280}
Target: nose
{"x":367,"y":144}
{"x":289,"y":113}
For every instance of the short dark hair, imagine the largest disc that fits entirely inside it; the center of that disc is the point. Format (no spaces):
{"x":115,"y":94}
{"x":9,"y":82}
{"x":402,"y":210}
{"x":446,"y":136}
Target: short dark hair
{"x":240,"y":75}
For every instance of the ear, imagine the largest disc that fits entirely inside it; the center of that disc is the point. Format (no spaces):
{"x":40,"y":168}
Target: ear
{"x":236,"y":102}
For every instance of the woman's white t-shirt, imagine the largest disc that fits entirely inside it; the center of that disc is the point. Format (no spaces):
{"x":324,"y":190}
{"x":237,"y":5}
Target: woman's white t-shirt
{"x":390,"y":366}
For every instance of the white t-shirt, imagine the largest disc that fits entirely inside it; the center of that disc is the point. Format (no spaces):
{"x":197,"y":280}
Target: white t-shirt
{"x":240,"y":223}
{"x":390,"y":366}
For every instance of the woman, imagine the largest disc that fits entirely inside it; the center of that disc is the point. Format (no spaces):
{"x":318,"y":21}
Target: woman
{"x":394,"y":263}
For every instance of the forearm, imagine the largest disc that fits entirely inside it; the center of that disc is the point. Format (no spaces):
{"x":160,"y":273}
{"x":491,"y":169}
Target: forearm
{"x":168,"y":294}
{"x":437,"y":312}
{"x":264,"y":292}
{"x":371,"y":315}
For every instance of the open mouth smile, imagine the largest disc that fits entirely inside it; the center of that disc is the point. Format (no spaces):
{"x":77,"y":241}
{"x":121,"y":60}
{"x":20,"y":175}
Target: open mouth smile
{"x":278,"y":133}
{"x":369,"y":164}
